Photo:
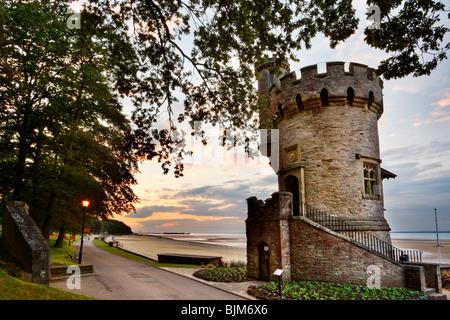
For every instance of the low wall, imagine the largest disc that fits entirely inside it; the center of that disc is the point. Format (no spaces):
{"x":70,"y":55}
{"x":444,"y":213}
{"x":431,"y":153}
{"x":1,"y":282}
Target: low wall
{"x":61,"y":272}
{"x":432,"y":275}
{"x":189,"y":259}
{"x":22,"y":238}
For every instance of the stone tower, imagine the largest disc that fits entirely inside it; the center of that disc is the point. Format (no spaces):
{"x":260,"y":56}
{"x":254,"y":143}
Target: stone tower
{"x":326,"y":221}
{"x":329,"y":155}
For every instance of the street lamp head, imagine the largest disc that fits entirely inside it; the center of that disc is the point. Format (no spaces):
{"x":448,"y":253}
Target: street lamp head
{"x":85,"y":203}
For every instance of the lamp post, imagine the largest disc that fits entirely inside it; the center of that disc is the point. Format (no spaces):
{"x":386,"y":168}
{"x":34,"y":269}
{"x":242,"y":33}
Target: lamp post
{"x":85,"y":204}
{"x":437,"y":235}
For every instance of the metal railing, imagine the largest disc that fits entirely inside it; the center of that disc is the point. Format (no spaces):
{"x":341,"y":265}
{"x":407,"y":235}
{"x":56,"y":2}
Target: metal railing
{"x":361,"y":237}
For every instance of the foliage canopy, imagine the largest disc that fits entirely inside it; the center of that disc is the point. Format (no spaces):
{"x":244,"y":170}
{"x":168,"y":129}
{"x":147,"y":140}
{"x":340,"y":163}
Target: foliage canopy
{"x":64,"y":135}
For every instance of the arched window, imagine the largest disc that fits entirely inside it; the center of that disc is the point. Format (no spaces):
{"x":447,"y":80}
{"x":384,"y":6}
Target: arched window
{"x":370,"y":179}
{"x":371,"y":98}
{"x":350,"y":95}
{"x":300,"y":106}
{"x":324,"y":97}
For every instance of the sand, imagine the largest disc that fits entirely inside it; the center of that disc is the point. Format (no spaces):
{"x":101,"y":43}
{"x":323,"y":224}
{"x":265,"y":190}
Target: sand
{"x":151,"y":246}
{"x":428,"y":247}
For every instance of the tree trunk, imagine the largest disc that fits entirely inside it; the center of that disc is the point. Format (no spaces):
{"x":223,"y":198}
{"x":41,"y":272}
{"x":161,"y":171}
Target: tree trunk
{"x":23,"y":149}
{"x":47,"y":226}
{"x":59,"y":241}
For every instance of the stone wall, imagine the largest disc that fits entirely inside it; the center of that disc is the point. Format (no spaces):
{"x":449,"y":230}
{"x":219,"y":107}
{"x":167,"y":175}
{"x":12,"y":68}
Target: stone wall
{"x":268,"y":224}
{"x":22,"y":238}
{"x":322,"y":256}
{"x":308,"y":251}
{"x":331,"y":145}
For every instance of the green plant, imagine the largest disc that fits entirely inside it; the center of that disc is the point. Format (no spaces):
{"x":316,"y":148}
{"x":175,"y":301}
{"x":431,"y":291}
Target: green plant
{"x":314,"y":290}
{"x":223,"y":274}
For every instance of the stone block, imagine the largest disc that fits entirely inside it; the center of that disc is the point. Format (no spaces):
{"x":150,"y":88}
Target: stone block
{"x":22,"y":238}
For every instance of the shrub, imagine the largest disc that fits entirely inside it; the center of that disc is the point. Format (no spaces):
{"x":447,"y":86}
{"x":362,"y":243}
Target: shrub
{"x":314,"y":290}
{"x":223,"y":274}
{"x":445,"y":277}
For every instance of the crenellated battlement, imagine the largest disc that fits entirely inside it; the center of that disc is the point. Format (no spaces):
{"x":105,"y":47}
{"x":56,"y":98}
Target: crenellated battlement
{"x":322,"y":85}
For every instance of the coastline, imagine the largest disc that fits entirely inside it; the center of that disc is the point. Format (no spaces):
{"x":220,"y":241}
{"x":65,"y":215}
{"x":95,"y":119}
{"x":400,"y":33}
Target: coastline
{"x":427,"y":246}
{"x":233,"y":248}
{"x":152,"y":245}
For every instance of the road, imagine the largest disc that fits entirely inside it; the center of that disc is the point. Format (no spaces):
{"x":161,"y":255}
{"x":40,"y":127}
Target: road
{"x":118,"y":278}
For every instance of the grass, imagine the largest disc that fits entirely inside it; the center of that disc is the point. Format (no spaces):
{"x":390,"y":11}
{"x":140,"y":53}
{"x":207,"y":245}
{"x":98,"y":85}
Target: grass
{"x":59,"y":256}
{"x":314,"y":290}
{"x":12,"y":288}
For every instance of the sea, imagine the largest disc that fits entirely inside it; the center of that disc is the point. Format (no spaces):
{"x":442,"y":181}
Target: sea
{"x":223,"y":239}
{"x":443,"y":235}
{"x":240,"y":239}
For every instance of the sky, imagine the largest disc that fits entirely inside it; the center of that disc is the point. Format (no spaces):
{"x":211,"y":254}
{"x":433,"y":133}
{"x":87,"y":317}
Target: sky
{"x":414,"y":133}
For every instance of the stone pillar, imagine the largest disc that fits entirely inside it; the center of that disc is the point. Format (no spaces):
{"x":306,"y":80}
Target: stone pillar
{"x":22,"y":238}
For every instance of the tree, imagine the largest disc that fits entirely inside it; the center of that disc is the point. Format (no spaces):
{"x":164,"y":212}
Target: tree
{"x":63,"y":135}
{"x":215,"y":73}
{"x":110,"y":226}
{"x":63,"y":131}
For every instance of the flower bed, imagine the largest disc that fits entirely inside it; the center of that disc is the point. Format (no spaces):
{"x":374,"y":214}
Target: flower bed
{"x":314,"y":290}
{"x":223,"y":274}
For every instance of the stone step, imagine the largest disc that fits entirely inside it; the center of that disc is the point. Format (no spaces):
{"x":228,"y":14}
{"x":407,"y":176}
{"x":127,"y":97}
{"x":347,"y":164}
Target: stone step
{"x":430,"y":291}
{"x":438,"y":296}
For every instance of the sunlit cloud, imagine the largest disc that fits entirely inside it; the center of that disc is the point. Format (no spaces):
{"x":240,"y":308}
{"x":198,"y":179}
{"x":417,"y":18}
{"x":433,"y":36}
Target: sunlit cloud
{"x":439,"y":114}
{"x":169,"y":224}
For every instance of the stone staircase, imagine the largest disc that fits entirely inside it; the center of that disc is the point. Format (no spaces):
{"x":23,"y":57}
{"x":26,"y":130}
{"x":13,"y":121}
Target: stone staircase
{"x":429,"y":274}
{"x":359,"y":236}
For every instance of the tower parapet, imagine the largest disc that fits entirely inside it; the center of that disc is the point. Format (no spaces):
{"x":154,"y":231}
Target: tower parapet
{"x":358,"y":86}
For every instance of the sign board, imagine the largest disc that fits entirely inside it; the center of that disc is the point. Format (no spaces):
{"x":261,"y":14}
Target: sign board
{"x":278,"y":272}
{"x":87,"y":230}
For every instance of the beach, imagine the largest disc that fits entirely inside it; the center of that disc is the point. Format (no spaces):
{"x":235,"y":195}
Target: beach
{"x":233,"y":247}
{"x":428,"y":247}
{"x":152,"y":245}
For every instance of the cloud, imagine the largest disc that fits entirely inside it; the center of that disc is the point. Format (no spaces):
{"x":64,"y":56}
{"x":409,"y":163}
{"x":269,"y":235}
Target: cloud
{"x":439,"y":114}
{"x":169,"y":224}
{"x":410,"y":203}
{"x":145,"y":212}
{"x":424,"y":152}
{"x":181,"y":206}
{"x":422,"y":184}
{"x":445,"y":101}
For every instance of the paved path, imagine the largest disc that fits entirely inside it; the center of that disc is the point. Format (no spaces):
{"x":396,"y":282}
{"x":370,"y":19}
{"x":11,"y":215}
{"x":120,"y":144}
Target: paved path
{"x":118,"y":278}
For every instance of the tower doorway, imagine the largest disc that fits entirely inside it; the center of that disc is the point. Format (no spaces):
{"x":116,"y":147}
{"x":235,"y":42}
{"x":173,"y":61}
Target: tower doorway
{"x":291,"y":184}
{"x":264,"y":262}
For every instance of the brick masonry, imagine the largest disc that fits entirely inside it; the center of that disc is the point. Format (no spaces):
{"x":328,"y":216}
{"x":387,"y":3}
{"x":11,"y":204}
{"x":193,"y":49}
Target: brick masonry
{"x":321,"y":256}
{"x":305,"y":251}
